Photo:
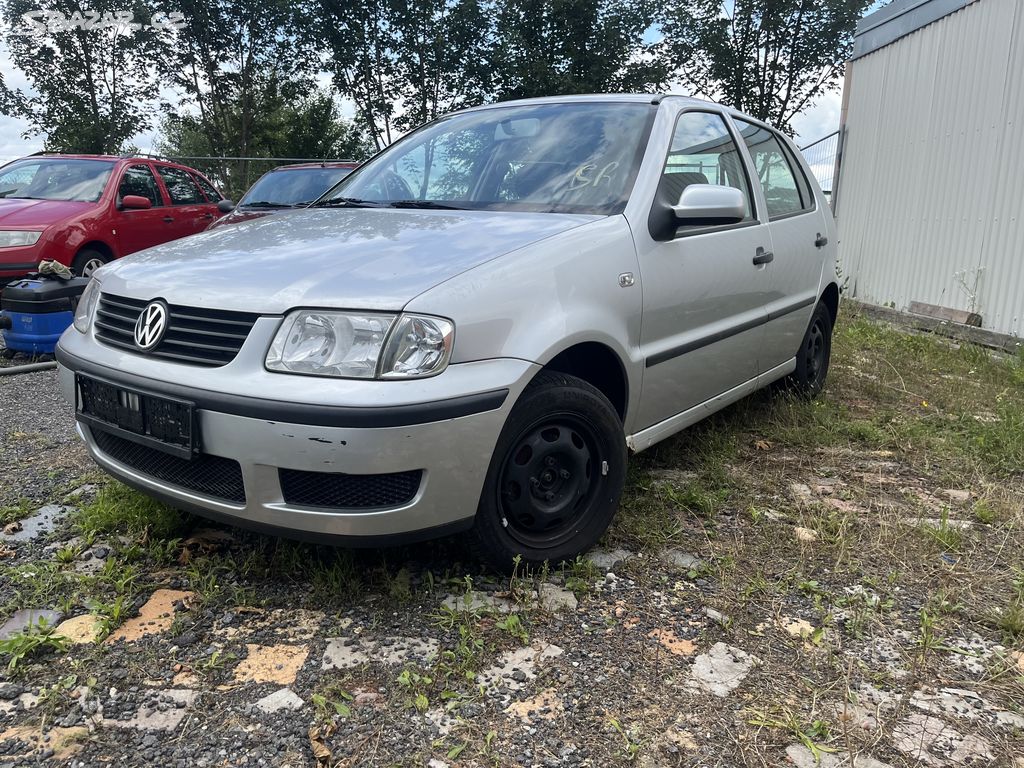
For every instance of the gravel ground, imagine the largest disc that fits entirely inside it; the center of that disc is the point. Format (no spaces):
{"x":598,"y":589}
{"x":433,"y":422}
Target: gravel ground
{"x":41,"y":457}
{"x":766,"y":597}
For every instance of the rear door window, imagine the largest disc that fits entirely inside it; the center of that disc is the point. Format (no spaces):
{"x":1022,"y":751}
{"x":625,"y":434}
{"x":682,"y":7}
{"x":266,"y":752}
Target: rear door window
{"x":786,"y":191}
{"x":139,"y":180}
{"x":180,"y":186}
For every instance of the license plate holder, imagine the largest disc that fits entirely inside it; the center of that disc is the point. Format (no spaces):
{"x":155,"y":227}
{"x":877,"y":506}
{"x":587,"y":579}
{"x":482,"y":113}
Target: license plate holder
{"x":165,"y":423}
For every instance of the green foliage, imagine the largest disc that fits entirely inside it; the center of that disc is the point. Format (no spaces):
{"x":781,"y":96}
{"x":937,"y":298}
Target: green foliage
{"x":545,"y":47}
{"x":770,"y":60}
{"x":15,"y":512}
{"x":35,"y":638}
{"x":119,"y":509}
{"x":93,"y":89}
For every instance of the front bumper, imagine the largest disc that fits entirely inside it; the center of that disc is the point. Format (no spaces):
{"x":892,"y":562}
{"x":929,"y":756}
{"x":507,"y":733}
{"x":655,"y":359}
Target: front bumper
{"x":449,"y":435}
{"x":18,"y":261}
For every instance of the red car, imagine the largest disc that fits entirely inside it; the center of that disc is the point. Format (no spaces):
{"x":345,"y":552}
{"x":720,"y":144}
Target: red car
{"x":84,"y":210}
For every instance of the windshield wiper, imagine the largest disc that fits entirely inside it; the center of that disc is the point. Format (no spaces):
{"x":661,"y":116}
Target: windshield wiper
{"x":265,"y":204}
{"x":429,"y":204}
{"x":346,"y":202}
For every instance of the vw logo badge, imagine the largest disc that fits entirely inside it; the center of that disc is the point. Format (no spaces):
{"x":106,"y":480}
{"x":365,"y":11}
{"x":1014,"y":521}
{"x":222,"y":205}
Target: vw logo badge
{"x":151,"y":325}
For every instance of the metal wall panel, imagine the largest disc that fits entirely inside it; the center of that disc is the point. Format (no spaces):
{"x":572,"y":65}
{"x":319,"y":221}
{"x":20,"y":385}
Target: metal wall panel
{"x":932,"y":176}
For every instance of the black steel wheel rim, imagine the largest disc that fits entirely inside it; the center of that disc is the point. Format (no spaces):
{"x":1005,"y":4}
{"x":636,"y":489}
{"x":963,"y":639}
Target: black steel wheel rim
{"x":549,"y":479}
{"x":814,"y":351}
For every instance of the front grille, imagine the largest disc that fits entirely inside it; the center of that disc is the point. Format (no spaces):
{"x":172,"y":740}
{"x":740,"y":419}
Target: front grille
{"x":195,"y":335}
{"x":209,"y":475}
{"x":335,"y":490}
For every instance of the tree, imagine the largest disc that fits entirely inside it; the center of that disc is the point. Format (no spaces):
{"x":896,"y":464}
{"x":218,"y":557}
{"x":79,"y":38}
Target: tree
{"x":768,"y":58}
{"x":362,"y":62}
{"x":404,"y":62}
{"x":234,"y":65}
{"x":311,"y":128}
{"x":546,"y":47}
{"x":441,"y":51}
{"x":92,"y":88}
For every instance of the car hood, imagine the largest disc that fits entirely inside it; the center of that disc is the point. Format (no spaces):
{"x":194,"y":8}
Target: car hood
{"x":38,"y":213}
{"x":365,"y":258}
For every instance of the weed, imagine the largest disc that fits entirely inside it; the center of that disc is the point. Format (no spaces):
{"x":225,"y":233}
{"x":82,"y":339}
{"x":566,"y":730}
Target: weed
{"x":630,"y":747}
{"x":949,"y":537}
{"x":15,"y":512}
{"x":513,"y":625}
{"x":37,"y":637}
{"x":120,"y":509}
{"x":325,"y":704}
{"x":416,"y":685}
{"x":812,"y":734}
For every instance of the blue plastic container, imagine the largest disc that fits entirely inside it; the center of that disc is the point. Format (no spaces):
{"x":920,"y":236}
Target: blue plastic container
{"x":36,"y":334}
{"x":39,"y":310}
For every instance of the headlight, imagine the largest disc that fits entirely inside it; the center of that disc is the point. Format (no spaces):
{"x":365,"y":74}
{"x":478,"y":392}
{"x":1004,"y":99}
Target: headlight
{"x":86,"y":306}
{"x":419,"y":346}
{"x":10,"y":238}
{"x":361,"y":345}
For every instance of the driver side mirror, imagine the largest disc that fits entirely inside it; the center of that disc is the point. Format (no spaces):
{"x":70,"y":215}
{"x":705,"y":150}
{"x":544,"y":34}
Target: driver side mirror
{"x":135,"y":203}
{"x":225,"y":206}
{"x":710,"y":205}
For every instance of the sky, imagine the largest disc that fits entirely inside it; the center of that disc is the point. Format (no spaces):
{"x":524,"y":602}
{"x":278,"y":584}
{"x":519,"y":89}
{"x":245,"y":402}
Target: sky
{"x":817,"y":121}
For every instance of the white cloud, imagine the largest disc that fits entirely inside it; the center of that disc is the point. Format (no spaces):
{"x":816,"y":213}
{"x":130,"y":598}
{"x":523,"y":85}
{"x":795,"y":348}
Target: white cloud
{"x":819,"y":120}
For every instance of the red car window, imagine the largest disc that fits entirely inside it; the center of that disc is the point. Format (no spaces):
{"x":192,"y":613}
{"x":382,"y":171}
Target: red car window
{"x":180,"y":186}
{"x":139,"y":180}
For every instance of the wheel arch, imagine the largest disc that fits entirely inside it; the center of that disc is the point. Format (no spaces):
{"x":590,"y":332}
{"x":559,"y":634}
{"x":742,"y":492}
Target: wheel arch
{"x":597,"y":364}
{"x":97,"y":245}
{"x":830,"y":298}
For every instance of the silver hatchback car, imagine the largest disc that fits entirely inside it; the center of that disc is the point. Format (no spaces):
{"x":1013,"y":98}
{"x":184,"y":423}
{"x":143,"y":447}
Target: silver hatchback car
{"x":472,"y":330}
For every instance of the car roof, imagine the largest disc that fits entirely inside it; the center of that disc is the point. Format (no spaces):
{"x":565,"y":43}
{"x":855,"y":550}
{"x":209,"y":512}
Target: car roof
{"x":71,"y":156}
{"x":576,"y":98}
{"x":325,"y":164}
{"x":111,"y":159}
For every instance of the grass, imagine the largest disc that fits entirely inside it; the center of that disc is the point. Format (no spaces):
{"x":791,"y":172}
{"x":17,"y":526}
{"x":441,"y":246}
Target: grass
{"x":13,"y":513}
{"x":34,"y":639}
{"x":117,"y":509}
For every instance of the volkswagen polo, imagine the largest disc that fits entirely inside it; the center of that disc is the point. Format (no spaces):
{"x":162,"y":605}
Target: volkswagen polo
{"x":473,"y":330}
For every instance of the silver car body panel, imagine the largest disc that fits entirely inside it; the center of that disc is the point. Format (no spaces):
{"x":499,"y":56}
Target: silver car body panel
{"x":694,"y":324}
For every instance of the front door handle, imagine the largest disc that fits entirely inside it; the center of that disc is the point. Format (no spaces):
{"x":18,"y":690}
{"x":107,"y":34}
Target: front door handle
{"x":761,"y":256}
{"x":820,"y":241}
{"x":169,"y":219}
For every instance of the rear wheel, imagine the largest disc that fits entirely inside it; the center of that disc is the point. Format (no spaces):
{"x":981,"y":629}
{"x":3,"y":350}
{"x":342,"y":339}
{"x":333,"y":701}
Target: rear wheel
{"x":812,"y":359}
{"x":87,"y":261}
{"x":555,"y":477}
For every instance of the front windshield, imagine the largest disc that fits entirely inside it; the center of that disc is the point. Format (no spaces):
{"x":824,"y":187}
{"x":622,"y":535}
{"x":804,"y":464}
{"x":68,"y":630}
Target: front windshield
{"x":42,"y":178}
{"x":293,"y":187}
{"x":569,"y":157}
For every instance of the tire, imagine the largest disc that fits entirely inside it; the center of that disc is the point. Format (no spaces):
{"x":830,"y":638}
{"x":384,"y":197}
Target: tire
{"x":87,"y":261}
{"x":555,"y":477}
{"x":812,"y":359}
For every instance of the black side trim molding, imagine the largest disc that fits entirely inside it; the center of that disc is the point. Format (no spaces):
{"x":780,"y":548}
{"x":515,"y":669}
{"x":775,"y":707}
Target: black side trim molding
{"x":295,"y":413}
{"x":725,"y":333}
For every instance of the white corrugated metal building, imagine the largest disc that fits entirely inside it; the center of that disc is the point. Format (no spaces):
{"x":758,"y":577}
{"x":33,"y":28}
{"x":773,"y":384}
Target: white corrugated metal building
{"x":931,"y":187}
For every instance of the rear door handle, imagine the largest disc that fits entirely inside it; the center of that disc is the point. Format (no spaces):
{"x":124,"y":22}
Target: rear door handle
{"x":168,"y":219}
{"x":761,"y":256}
{"x":820,"y":241}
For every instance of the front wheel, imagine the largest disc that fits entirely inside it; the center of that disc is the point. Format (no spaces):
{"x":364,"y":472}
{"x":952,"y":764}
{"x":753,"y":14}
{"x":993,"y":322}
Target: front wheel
{"x":815,"y":352}
{"x":87,"y":261}
{"x":555,"y":477}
